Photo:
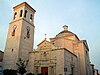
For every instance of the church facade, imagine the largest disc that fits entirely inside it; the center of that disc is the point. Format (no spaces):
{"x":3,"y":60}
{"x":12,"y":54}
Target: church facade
{"x":65,"y":54}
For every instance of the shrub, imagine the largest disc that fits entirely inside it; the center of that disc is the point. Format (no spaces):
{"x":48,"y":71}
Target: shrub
{"x":9,"y":72}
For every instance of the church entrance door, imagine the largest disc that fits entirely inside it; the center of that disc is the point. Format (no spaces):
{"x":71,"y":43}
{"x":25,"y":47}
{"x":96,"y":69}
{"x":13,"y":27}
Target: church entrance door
{"x":44,"y":70}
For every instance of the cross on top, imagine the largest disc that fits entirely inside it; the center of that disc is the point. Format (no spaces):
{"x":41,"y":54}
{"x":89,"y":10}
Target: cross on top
{"x":45,"y":35}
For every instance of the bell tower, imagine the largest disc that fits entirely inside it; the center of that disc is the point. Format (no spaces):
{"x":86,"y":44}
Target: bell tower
{"x":20,"y":38}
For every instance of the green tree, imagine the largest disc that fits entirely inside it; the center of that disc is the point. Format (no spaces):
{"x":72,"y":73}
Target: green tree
{"x":22,"y":66}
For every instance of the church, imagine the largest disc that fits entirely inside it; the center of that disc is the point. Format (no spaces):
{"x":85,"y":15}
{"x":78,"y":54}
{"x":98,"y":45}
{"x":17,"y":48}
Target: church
{"x":64,"y":54}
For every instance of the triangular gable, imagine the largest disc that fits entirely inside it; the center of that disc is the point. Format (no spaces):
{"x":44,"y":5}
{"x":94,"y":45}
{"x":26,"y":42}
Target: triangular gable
{"x":42,"y":42}
{"x":45,"y":45}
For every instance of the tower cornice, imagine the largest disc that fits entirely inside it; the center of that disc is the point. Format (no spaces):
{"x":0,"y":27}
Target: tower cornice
{"x":21,"y":19}
{"x":24,"y":4}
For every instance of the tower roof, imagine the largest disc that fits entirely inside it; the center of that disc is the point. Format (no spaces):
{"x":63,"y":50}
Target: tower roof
{"x":68,"y":32}
{"x":24,"y":4}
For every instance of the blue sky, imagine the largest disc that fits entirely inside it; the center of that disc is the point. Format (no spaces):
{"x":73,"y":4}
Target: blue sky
{"x":82,"y":17}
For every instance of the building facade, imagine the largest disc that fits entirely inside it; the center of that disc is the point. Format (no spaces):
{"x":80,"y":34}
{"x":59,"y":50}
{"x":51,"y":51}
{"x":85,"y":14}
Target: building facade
{"x":1,"y":57}
{"x":69,"y":54}
{"x":65,"y":54}
{"x":51,"y":60}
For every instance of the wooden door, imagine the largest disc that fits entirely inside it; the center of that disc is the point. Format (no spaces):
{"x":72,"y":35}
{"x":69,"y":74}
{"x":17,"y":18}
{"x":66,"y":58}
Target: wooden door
{"x":44,"y":70}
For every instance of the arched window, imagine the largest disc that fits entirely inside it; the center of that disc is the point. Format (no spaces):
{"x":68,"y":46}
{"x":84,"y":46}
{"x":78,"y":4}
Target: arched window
{"x":14,"y":28}
{"x":25,"y":14}
{"x":13,"y":33}
{"x":28,"y":32}
{"x":21,"y":12}
{"x":31,"y":19}
{"x":15,"y":15}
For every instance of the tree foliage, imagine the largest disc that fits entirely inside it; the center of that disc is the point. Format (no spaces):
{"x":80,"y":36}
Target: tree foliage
{"x":22,"y":66}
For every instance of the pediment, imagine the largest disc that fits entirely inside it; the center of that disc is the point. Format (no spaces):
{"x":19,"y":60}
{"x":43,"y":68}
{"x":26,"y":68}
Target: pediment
{"x":45,"y":45}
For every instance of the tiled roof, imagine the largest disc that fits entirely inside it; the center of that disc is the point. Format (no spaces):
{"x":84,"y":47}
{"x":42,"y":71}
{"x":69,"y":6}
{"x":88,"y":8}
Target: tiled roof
{"x":66,"y":32}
